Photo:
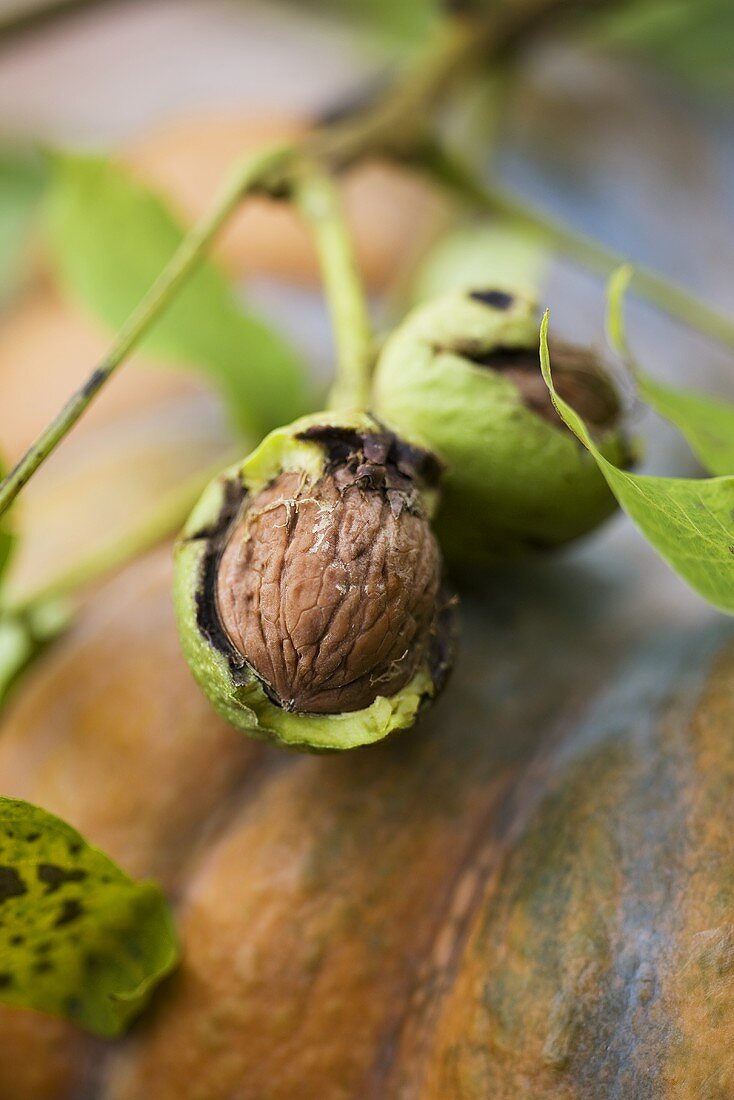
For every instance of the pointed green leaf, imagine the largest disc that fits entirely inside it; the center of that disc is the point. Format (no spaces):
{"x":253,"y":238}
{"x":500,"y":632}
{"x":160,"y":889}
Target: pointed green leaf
{"x":111,"y":237}
{"x":706,"y":422}
{"x":689,"y":522}
{"x":78,"y":938}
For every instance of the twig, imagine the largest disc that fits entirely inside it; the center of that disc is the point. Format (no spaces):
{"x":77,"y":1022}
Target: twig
{"x":260,"y":172}
{"x":655,"y":288}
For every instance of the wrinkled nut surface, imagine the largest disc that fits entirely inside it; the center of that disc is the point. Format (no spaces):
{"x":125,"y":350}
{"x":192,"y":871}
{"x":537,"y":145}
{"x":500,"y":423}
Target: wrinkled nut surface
{"x":329,"y":590}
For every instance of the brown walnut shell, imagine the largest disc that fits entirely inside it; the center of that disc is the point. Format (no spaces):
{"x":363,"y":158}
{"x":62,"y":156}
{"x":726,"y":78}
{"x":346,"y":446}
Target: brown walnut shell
{"x":329,"y":592}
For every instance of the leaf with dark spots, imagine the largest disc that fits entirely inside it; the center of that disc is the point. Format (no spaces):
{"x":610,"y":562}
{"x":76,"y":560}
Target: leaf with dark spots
{"x":51,"y":880}
{"x":11,"y":884}
{"x":71,"y":911}
{"x":53,"y":877}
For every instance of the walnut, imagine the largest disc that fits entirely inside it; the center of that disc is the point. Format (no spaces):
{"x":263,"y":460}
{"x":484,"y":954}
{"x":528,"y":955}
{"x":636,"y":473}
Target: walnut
{"x":329,"y":590}
{"x":307,"y":586}
{"x":461,"y":375}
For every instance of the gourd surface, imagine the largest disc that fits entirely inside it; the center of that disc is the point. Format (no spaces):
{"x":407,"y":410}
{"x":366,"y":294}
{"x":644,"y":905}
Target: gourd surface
{"x":527,"y":887}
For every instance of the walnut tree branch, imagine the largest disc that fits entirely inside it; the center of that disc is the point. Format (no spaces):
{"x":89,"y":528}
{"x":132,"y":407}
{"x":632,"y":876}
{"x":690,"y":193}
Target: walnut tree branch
{"x":393,"y":125}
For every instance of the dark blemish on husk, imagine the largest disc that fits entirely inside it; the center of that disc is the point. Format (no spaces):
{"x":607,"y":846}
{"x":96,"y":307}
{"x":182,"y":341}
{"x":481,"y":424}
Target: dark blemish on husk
{"x":32,"y":837}
{"x":497,"y":357}
{"x":352,"y":448}
{"x":54,"y":877}
{"x":207,"y":615}
{"x":5,"y":980}
{"x":11,"y":884}
{"x":233,"y":493}
{"x":42,"y":967}
{"x":497,"y":299}
{"x":71,"y":911}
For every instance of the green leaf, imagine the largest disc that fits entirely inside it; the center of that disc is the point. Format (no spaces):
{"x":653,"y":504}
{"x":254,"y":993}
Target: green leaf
{"x":78,"y":937}
{"x":111,"y":238}
{"x":689,"y":522}
{"x":22,"y":179}
{"x":706,"y":422}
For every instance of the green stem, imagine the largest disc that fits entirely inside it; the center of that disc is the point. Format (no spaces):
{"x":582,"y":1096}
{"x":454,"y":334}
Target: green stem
{"x":262,"y":171}
{"x":320,"y":203}
{"x":661,"y":292}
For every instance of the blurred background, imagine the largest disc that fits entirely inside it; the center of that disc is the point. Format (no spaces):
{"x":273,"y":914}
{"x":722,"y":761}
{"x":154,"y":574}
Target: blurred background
{"x":613,"y":117}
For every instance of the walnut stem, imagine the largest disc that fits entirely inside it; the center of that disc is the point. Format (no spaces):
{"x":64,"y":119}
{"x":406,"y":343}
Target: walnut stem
{"x":319,"y":202}
{"x":446,"y":168}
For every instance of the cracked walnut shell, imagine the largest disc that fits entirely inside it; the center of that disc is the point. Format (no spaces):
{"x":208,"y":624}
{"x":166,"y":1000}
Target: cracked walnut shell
{"x":308,"y":586}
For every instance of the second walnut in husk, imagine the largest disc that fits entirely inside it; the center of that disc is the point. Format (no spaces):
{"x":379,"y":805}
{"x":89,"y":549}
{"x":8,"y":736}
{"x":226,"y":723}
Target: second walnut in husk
{"x":308,"y":586}
{"x":462,"y":377}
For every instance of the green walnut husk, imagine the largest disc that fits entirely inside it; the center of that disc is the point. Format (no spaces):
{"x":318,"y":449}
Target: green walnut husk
{"x":461,"y":377}
{"x":290,"y":577}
